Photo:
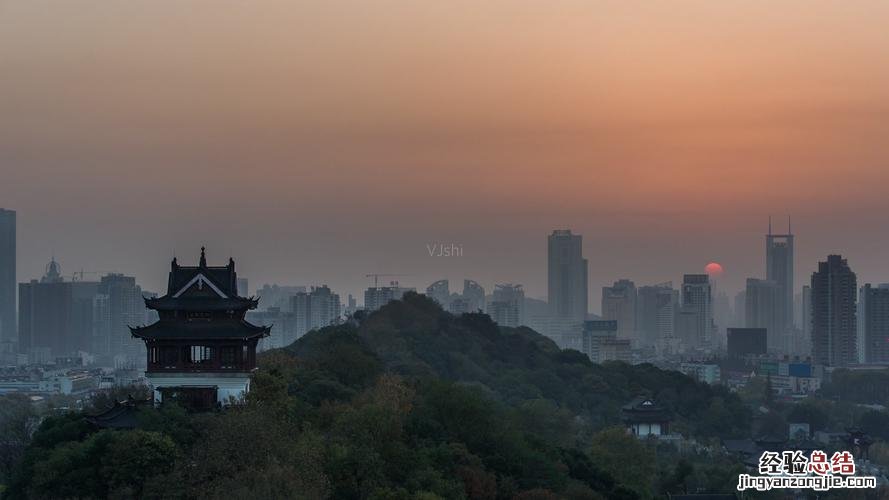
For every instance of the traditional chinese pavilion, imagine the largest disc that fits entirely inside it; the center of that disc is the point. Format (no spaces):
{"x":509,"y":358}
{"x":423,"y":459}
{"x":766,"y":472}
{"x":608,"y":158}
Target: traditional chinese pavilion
{"x":201,"y":351}
{"x":644,"y":417}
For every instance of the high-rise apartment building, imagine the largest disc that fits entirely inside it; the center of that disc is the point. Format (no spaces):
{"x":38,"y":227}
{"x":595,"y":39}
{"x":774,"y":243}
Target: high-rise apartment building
{"x":315,"y":309}
{"x":806,"y":313}
{"x":277,"y":297}
{"x":440,"y":292}
{"x":8,"y":328}
{"x":567,"y":276}
{"x":378,"y":296}
{"x":697,"y":311}
{"x":507,"y":305}
{"x":127,"y":309}
{"x":873,"y":318}
{"x":657,"y":306}
{"x":834,"y":324}
{"x":474,"y":296}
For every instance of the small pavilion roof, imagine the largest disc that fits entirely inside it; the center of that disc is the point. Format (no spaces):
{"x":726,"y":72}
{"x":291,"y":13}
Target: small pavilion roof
{"x":123,"y":415}
{"x":644,"y":409}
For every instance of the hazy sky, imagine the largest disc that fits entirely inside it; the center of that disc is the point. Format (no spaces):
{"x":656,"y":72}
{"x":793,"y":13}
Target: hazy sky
{"x":318,"y":141}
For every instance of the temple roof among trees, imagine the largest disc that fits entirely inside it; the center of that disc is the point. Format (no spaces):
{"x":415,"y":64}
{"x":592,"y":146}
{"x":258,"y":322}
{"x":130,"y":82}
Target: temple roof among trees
{"x":643,"y":409}
{"x":123,"y":415}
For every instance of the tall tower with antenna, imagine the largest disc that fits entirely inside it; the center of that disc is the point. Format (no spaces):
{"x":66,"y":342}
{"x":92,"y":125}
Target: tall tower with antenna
{"x":779,"y":268}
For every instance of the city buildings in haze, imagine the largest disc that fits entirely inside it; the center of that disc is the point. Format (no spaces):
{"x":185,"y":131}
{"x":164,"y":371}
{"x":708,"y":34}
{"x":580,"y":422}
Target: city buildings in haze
{"x":277,"y":296}
{"x":762,"y":310}
{"x":55,"y":315}
{"x":619,"y":304}
{"x":377,"y":296}
{"x":472,"y":299}
{"x":243,"y":287}
{"x":315,"y":309}
{"x":507,"y":305}
{"x":600,"y":342}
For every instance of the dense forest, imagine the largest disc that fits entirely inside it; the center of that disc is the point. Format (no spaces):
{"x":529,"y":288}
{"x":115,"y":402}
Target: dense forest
{"x":409,"y":402}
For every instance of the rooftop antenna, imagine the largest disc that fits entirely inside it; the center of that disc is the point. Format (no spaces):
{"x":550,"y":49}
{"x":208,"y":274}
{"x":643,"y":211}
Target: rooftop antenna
{"x":788,"y":225}
{"x":770,"y":225}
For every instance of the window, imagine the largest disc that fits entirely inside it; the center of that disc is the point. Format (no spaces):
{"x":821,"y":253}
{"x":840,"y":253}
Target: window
{"x":228,"y":356}
{"x":169,"y":357}
{"x":153,"y":355}
{"x":199,"y":354}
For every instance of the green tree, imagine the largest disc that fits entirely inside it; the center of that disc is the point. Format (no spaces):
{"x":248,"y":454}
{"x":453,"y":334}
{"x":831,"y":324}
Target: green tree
{"x":18,"y":421}
{"x":625,"y":458}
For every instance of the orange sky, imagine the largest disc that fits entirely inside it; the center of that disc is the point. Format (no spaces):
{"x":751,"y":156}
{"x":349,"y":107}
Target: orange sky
{"x":322,"y":140}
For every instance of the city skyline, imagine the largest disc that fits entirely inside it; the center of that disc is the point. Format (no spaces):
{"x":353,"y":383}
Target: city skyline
{"x":454,"y":268}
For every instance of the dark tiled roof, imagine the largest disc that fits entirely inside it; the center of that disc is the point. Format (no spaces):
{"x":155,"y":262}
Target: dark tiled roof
{"x":216,"y":329}
{"x":123,"y":415}
{"x":644,"y":409}
{"x":743,"y":446}
{"x":224,"y":277}
{"x":168,"y":303}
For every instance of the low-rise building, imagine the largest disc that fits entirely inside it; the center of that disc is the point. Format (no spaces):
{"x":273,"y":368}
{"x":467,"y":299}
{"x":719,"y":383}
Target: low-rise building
{"x":704,"y":372}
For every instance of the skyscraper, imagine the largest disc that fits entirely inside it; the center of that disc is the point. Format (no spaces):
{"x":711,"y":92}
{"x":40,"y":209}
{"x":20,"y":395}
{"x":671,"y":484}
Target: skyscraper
{"x":779,"y":268}
{"x":697,"y":300}
{"x":7,"y":275}
{"x":474,"y":295}
{"x":243,"y":287}
{"x":657,"y":306}
{"x":126,"y":308}
{"x":762,"y":311}
{"x":806,"y":299}
{"x":834,"y":326}
{"x":440,"y":292}
{"x":316,"y":309}
{"x":619,"y":304}
{"x":567,"y":275}
{"x":874,"y":320}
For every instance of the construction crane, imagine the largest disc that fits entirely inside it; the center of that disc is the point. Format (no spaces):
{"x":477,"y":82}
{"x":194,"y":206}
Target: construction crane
{"x":81,"y":273}
{"x":377,"y":276}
